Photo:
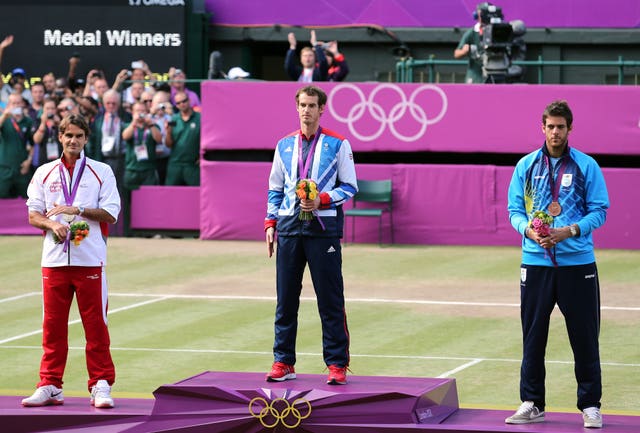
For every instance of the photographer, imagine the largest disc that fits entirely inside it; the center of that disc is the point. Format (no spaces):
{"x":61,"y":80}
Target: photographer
{"x":183,"y":137}
{"x":15,"y":147}
{"x":161,"y":111}
{"x":140,"y":138}
{"x":46,"y":146}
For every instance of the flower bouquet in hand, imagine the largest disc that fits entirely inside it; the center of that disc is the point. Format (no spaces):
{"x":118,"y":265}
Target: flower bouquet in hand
{"x":77,"y":232}
{"x":541,"y":223}
{"x":306,"y":189}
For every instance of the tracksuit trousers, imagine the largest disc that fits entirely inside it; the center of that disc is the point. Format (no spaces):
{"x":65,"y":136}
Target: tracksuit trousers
{"x":576,"y":290}
{"x":324,"y":256}
{"x":59,"y":285}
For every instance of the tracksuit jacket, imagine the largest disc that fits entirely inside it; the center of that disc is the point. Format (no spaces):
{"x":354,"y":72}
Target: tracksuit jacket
{"x":582,"y":195}
{"x":333,"y":171}
{"x":97,"y":189}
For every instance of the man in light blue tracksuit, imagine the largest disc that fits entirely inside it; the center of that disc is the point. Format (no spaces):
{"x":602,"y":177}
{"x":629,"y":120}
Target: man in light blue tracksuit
{"x":326,"y":158}
{"x":560,"y":267}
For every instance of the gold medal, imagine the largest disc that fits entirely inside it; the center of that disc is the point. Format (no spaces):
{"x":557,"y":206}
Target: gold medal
{"x":554,"y":209}
{"x":68,"y":217}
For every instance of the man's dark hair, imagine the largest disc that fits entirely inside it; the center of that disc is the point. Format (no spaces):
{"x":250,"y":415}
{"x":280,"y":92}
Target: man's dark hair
{"x":74,"y":119}
{"x":559,"y":108}
{"x":313,"y":91}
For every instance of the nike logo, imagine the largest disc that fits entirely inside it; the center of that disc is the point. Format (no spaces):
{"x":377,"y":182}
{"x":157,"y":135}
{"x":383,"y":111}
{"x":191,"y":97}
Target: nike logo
{"x":56,"y":394}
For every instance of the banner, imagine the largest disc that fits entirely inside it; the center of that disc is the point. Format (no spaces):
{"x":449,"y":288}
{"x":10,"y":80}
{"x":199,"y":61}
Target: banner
{"x":422,"y":13}
{"x":395,"y":117}
{"x":106,"y":35}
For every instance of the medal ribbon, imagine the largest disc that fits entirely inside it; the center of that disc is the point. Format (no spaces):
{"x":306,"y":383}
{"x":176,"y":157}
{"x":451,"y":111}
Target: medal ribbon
{"x":303,"y":171}
{"x":553,"y":184}
{"x":145,"y":134}
{"x":69,"y":197}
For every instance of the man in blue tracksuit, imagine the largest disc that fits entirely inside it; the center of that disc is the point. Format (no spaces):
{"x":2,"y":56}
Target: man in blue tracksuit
{"x":560,"y":267}
{"x":324,"y":157}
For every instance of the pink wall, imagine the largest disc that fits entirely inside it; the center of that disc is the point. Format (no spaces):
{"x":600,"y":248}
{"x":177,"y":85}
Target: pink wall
{"x":423,"y":117}
{"x":433,"y":204}
{"x":15,"y":218}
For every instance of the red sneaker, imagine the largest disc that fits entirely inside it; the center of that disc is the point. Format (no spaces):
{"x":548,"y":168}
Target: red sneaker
{"x":337,"y":375}
{"x":280,"y":372}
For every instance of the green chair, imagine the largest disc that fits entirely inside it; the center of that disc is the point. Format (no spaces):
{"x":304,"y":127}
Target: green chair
{"x":371,"y":191}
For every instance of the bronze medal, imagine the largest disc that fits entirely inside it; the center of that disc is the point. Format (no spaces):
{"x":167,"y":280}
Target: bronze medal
{"x":554,"y":209}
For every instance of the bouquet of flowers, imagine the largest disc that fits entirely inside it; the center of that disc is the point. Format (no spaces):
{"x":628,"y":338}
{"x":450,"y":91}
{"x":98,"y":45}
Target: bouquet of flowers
{"x":306,"y":189}
{"x":77,"y":232}
{"x":541,"y":223}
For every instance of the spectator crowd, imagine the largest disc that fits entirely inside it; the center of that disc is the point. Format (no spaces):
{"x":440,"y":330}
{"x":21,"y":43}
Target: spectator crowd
{"x":147,"y":130}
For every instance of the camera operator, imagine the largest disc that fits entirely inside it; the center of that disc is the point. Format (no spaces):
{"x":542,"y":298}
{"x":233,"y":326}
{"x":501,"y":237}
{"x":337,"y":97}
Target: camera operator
{"x":491,"y":46}
{"x":469,"y":47}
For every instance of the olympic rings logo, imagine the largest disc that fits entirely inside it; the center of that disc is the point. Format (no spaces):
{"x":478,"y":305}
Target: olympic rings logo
{"x":279,"y":410}
{"x":379,"y":114}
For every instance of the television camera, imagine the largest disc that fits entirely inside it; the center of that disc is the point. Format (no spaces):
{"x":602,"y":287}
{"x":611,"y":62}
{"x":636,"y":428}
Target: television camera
{"x":500,"y":43}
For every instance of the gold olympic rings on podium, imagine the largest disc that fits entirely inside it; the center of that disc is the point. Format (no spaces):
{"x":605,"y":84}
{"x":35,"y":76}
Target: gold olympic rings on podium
{"x":280,"y":410}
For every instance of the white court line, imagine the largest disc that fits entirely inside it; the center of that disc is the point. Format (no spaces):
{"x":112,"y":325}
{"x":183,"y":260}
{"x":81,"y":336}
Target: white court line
{"x":72,"y":322}
{"x":462,"y":367}
{"x":17,"y":297}
{"x":308,"y":298}
{"x":364,"y":300}
{"x":470,"y":361}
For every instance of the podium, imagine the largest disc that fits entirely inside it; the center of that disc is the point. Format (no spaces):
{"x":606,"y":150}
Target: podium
{"x":245,"y":402}
{"x":232,"y":402}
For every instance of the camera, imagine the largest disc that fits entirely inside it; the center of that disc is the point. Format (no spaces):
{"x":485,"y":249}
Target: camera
{"x":501,"y":43}
{"x":129,"y":73}
{"x":142,"y":116}
{"x":136,"y":65}
{"x":172,"y":123}
{"x":161,"y":107}
{"x":50,"y":116}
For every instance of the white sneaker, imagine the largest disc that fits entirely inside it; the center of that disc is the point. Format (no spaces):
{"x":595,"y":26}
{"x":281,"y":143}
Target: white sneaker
{"x":101,"y":395}
{"x":44,"y":396}
{"x":527,"y":413}
{"x":592,"y":417}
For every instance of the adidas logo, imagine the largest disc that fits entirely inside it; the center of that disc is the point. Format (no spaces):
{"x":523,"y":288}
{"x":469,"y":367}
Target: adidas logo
{"x":331,"y":249}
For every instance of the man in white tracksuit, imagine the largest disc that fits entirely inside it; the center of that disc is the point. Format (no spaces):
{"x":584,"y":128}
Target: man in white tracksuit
{"x":72,"y":199}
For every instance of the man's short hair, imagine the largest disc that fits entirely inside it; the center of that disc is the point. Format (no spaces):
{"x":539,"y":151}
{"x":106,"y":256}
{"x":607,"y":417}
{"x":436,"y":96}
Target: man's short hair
{"x":558,"y":108}
{"x":308,"y":49}
{"x":313,"y":91}
{"x":74,"y":119}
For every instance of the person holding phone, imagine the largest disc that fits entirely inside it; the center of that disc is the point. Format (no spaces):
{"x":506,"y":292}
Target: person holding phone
{"x":183,"y":137}
{"x":177,"y":79}
{"x":140,"y":73}
{"x":15,"y":146}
